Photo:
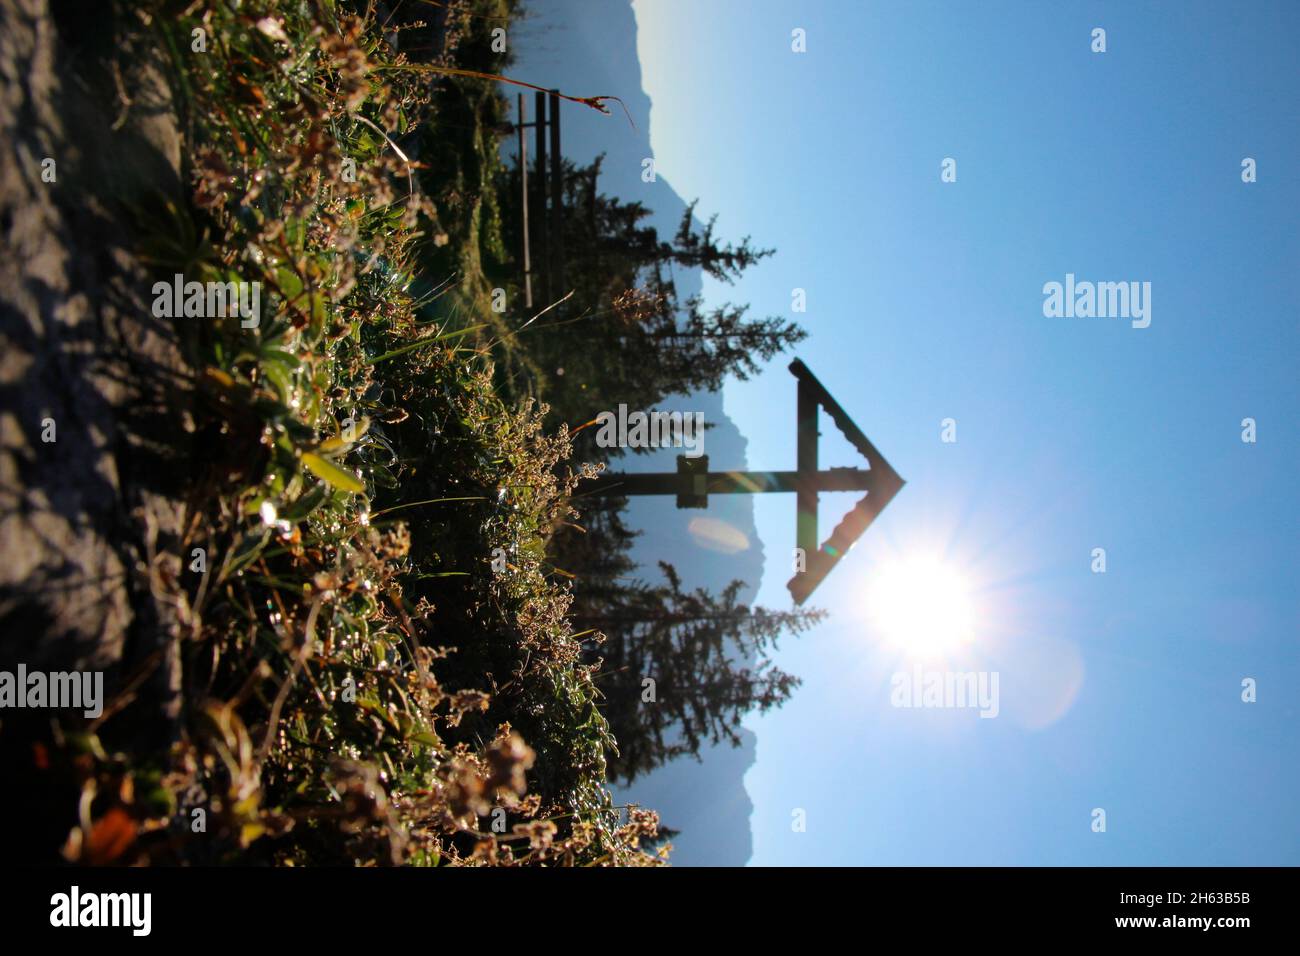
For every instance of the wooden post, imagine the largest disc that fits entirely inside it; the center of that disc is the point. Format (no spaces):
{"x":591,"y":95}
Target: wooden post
{"x":557,"y":200}
{"x":523,"y":205}
{"x":543,"y":218}
{"x":806,"y":462}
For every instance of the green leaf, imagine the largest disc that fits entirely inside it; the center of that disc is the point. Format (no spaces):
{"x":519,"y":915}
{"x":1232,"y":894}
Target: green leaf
{"x":337,"y":445}
{"x":328,"y":471}
{"x":277,"y":377}
{"x":312,"y":499}
{"x":290,"y":284}
{"x":286,"y":360}
{"x":383,"y":476}
{"x":427,"y":737}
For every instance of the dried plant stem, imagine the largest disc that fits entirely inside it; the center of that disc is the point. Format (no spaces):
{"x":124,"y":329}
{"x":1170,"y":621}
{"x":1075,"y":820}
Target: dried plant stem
{"x":595,"y":102}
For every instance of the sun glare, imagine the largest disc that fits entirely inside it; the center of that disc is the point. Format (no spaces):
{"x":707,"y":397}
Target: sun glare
{"x":921,"y":605}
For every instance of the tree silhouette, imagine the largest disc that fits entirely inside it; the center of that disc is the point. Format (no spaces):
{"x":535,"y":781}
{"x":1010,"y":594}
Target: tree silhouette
{"x":682,"y":668}
{"x":722,"y":262}
{"x":625,"y":336}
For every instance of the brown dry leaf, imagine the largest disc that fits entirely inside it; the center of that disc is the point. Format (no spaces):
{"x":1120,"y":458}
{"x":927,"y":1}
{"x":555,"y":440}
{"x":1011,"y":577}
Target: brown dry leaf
{"x":110,"y":837}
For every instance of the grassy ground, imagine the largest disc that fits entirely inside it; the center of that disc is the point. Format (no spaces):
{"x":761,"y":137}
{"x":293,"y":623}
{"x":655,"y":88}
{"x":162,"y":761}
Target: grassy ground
{"x":378,"y":667}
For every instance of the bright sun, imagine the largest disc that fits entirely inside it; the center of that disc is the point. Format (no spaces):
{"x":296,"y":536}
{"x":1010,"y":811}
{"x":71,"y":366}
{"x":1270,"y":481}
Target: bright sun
{"x":921,"y":605}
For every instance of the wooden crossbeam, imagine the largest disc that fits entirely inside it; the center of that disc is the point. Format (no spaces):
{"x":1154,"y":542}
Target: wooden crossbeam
{"x":687,"y":483}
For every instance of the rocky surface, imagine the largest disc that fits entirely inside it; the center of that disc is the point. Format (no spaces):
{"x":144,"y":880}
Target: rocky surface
{"x":90,"y":522}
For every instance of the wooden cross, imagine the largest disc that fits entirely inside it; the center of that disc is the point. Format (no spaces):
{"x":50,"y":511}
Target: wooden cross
{"x":692,"y":483}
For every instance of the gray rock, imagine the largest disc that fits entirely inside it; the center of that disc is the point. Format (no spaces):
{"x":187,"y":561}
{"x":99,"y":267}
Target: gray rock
{"x":90,"y":524}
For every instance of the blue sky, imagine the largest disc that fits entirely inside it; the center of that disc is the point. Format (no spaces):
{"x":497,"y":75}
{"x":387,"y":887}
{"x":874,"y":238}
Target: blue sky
{"x":1119,"y":690}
